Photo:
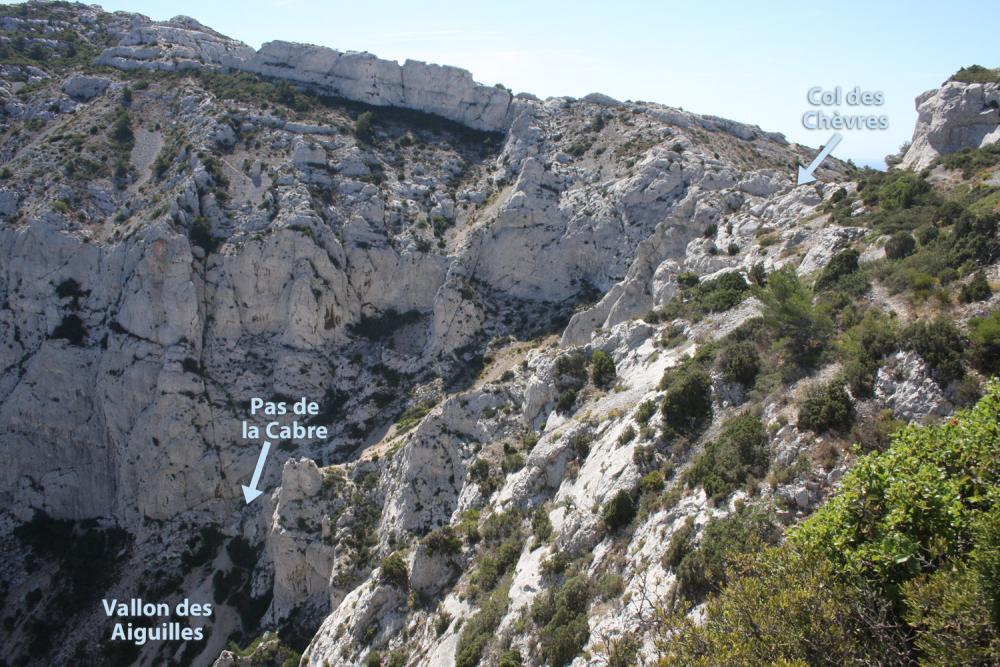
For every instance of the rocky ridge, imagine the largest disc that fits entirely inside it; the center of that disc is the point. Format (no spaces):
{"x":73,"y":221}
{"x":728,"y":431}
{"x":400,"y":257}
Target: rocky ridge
{"x":449,"y":264}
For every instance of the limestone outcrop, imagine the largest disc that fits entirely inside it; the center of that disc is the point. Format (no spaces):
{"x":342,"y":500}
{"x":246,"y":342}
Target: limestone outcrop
{"x":489,"y":311}
{"x":955,"y":116}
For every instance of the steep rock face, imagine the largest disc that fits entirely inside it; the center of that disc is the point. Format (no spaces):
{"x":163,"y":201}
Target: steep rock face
{"x":417,"y":281}
{"x":184,"y":44}
{"x":955,"y":116}
{"x":445,"y":91}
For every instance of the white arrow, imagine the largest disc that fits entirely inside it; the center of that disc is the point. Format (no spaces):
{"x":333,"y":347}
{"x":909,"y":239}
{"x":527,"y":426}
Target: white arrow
{"x":806,"y":175}
{"x":250,"y":493}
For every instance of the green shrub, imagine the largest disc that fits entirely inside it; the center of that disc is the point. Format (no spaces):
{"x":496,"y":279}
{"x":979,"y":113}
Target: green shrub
{"x":495,"y":564}
{"x":740,"y":362}
{"x":700,"y":298}
{"x":864,"y":346}
{"x":786,"y":610}
{"x":478,"y":631}
{"x":738,"y":454}
{"x":571,"y":369}
{"x":900,"y":245}
{"x":940,"y":344}
{"x":392,"y":571}
{"x":363,"y":127}
{"x":619,"y":511}
{"x":977,"y":289}
{"x":826,"y":407}
{"x":688,"y":401}
{"x":901,"y":566}
{"x":976,"y":74}
{"x":510,"y":658}
{"x":444,"y":541}
{"x":581,"y":444}
{"x":602,"y":369}
{"x":121,"y":131}
{"x":687,"y":279}
{"x":561,"y":618}
{"x":802,"y":331}
{"x":200,"y":234}
{"x":565,"y":402}
{"x":984,"y":339}
{"x":645,"y":410}
{"x":651,"y":482}
{"x":913,"y":507}
{"x":627,"y":435}
{"x":842,"y":274}
{"x":901,"y":190}
{"x":972,"y":160}
{"x":541,"y":525}
{"x":723,"y":541}
{"x":679,"y":545}
{"x":500,"y":526}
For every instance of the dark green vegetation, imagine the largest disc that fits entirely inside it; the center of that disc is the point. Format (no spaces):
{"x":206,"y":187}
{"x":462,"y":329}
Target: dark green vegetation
{"x":85,"y":559}
{"x":697,"y":299}
{"x":268,"y":649}
{"x":602,"y":371}
{"x":560,"y":614}
{"x":706,"y":568}
{"x":826,"y":407}
{"x":738,"y":456}
{"x":976,"y":74}
{"x":900,"y":567}
{"x":935,"y":238}
{"x":392,"y":571}
{"x":478,"y":631}
{"x":619,"y":511}
{"x":60,"y":51}
{"x":972,"y":160}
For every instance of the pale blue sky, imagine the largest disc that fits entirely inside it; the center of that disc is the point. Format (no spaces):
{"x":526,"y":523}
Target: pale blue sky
{"x":729,"y":58}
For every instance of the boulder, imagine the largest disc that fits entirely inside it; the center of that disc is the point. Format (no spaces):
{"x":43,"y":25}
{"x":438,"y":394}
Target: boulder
{"x":955,"y":116}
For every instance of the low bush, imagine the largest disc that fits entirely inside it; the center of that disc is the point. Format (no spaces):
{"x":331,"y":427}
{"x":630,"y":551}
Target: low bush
{"x":940,"y":344}
{"x":679,"y":545}
{"x":541,"y":525}
{"x":901,"y":566}
{"x":864,"y":346}
{"x":801,"y":331}
{"x":364,"y":130}
{"x":842,"y":275}
{"x":984,"y":339}
{"x":739,"y":362}
{"x":561,"y":618}
{"x":737,"y":455}
{"x":478,"y":631}
{"x":494,"y":565}
{"x":393,"y":571}
{"x":723,"y":542}
{"x":645,"y":410}
{"x":565,"y":402}
{"x":443,"y":541}
{"x":687,"y":404}
{"x":900,"y":245}
{"x":976,"y":74}
{"x":698,"y":299}
{"x":826,"y":407}
{"x":571,"y":370}
{"x":602,"y":369}
{"x":619,"y":511}
{"x":977,"y":289}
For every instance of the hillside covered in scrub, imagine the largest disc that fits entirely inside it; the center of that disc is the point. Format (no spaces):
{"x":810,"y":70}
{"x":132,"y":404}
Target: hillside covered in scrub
{"x":601,"y":384}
